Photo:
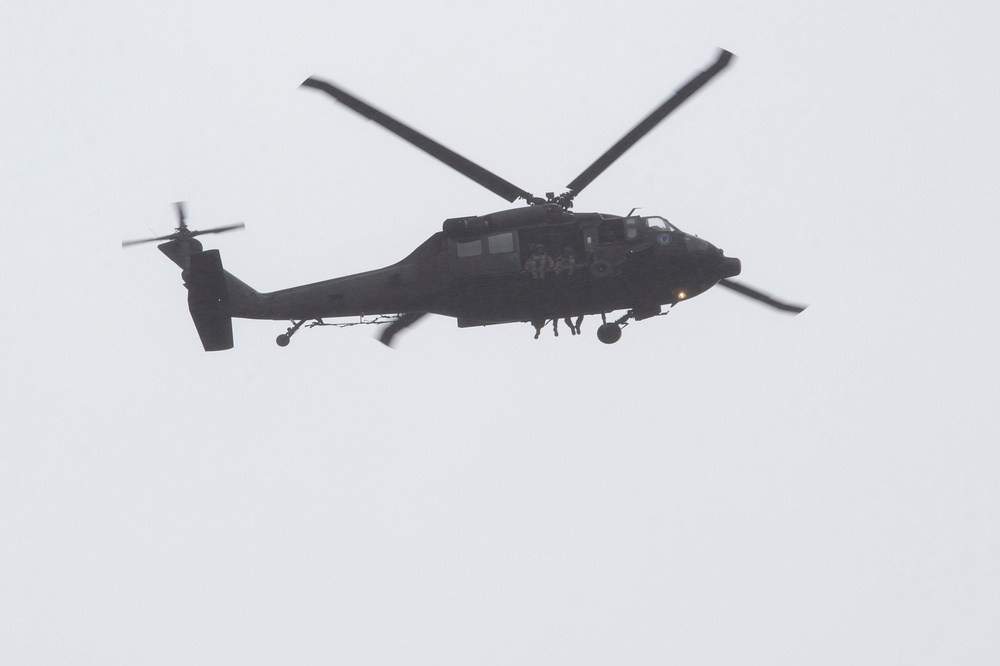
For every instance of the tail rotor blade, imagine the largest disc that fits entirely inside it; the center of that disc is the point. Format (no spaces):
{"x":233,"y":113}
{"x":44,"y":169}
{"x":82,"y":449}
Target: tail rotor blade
{"x":218,"y":230}
{"x":127,"y":243}
{"x":762,"y":297}
{"x":181,"y":215}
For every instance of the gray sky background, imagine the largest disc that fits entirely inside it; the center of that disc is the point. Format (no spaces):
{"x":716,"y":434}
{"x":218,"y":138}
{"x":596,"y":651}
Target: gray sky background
{"x":726,"y":484}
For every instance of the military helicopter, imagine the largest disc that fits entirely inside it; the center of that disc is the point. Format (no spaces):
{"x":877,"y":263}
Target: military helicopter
{"x":485,"y":269}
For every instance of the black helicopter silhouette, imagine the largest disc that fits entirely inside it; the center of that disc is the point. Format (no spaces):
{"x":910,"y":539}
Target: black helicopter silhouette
{"x":536,"y":264}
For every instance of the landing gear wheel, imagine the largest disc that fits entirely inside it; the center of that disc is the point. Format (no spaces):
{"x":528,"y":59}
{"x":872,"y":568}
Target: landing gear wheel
{"x":609,"y":333}
{"x":286,"y":337}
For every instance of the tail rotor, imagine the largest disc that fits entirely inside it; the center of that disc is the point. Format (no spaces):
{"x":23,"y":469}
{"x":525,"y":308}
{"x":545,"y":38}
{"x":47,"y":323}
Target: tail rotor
{"x":182,"y":232}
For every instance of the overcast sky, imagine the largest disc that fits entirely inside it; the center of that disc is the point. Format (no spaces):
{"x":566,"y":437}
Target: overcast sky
{"x":727,"y":484}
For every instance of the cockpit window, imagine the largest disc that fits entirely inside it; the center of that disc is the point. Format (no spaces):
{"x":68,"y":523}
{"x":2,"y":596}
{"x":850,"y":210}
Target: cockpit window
{"x":659,"y":223}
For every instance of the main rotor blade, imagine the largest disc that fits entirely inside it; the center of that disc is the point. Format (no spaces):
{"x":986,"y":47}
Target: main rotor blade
{"x":651,"y":121}
{"x":487,"y":179}
{"x":762,"y":297}
{"x":403,"y":321}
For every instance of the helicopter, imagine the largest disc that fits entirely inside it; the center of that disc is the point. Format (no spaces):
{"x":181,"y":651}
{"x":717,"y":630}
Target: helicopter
{"x":538,"y":263}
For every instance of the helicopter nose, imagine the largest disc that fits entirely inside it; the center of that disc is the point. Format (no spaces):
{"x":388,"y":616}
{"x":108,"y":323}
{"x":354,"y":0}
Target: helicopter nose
{"x":730,"y":267}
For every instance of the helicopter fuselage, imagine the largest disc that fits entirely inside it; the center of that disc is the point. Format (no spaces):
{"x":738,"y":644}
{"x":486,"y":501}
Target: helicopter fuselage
{"x":478,"y":270}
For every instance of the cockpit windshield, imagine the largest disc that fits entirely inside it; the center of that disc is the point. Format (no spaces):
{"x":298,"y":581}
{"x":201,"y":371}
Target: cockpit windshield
{"x":659,"y":223}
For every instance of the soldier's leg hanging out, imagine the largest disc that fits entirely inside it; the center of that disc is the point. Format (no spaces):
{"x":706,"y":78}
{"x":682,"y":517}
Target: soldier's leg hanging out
{"x":538,"y":324}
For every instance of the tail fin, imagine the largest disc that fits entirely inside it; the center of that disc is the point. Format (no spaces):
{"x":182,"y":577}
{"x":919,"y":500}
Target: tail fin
{"x":214,"y":294}
{"x":208,"y":300}
{"x":208,"y":294}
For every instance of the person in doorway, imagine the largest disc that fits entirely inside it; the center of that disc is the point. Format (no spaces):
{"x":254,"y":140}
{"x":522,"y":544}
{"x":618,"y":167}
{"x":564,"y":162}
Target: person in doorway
{"x":539,"y":263}
{"x":566,"y":262}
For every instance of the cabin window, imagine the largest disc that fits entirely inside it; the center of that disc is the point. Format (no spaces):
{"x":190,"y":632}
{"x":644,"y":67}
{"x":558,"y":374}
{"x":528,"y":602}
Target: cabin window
{"x":470,"y":248}
{"x":611,"y":231}
{"x":501,"y":243}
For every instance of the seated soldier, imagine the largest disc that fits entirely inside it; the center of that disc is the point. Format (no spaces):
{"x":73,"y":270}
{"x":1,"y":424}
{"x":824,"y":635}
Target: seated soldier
{"x":539,"y":262}
{"x":566,"y":262}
